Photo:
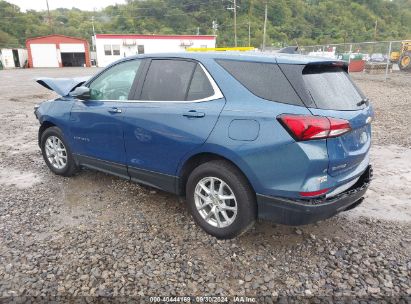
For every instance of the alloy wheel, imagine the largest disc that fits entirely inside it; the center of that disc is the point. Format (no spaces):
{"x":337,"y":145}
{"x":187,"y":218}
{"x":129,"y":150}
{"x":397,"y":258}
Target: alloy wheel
{"x":215,"y":202}
{"x":56,"y":152}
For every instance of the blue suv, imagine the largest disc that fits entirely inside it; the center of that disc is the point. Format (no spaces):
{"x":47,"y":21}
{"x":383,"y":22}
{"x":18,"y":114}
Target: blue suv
{"x":241,"y":136}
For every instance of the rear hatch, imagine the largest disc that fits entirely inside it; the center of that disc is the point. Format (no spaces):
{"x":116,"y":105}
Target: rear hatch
{"x":328,"y":90}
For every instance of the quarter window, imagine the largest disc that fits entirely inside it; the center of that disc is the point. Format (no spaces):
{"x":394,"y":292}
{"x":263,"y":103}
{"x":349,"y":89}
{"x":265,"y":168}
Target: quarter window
{"x":115,"y":83}
{"x":265,"y":80}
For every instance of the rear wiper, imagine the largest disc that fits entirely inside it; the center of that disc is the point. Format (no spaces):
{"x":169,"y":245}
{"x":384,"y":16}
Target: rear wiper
{"x":363,"y":101}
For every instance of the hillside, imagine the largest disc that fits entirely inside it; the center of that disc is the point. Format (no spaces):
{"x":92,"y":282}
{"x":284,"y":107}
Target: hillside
{"x":289,"y":21}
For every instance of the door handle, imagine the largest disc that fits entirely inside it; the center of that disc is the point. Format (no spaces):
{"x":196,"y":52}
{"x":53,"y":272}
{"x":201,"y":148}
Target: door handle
{"x":193,"y":114}
{"x":114,"y":110}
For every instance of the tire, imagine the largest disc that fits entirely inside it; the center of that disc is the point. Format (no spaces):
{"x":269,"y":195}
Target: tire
{"x":243,"y":207}
{"x":53,"y":138}
{"x":405,"y":61}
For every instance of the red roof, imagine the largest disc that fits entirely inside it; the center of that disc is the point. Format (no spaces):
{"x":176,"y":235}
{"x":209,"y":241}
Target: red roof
{"x":56,"y":36}
{"x":133,"y":36}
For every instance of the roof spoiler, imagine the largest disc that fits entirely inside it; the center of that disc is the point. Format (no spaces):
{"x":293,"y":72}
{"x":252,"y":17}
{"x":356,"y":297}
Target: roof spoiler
{"x":333,"y":63}
{"x":289,"y":50}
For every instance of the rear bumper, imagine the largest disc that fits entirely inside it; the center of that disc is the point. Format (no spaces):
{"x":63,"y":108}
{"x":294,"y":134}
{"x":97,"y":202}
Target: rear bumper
{"x":300,"y":212}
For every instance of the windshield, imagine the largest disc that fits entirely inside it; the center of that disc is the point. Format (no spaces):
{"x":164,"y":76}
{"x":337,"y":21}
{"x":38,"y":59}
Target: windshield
{"x":331,"y":88}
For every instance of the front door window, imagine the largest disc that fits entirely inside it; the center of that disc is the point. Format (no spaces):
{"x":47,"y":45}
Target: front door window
{"x":115,"y":83}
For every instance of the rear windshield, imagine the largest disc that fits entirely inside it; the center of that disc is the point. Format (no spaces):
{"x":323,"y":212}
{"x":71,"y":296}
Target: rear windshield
{"x":331,"y":88}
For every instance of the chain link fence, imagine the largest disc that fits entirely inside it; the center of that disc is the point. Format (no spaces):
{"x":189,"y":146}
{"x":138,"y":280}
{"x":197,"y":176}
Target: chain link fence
{"x":368,"y":57}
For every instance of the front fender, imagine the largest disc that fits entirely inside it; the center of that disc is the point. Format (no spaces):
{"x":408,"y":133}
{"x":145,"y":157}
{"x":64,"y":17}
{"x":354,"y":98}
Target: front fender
{"x":56,"y":112}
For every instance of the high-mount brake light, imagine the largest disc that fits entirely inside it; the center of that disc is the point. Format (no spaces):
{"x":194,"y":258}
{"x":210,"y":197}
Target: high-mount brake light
{"x":309,"y":127}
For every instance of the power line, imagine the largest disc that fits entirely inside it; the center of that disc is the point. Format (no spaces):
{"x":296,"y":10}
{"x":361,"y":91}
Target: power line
{"x":164,"y":7}
{"x":126,"y":9}
{"x":165,"y":15}
{"x":139,"y":16}
{"x":231,"y":24}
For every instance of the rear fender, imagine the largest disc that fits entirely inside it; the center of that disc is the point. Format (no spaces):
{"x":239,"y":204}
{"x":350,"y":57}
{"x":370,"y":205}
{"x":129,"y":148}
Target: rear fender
{"x":222,"y":152}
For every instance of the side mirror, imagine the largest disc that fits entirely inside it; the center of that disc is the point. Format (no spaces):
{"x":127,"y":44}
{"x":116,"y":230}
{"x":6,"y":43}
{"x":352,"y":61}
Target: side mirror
{"x":81,"y":92}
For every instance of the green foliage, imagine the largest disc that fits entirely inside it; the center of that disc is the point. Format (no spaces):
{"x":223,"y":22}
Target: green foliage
{"x":289,"y":21}
{"x":6,"y":39}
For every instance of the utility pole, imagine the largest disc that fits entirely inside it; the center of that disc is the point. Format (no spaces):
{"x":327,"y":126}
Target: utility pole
{"x":94,"y":33}
{"x":249,"y":33}
{"x":215,"y":27}
{"x":375,"y":29}
{"x":265,"y":26}
{"x":49,"y":17}
{"x":234,"y":8}
{"x":198,"y":31}
{"x":235,"y":23}
{"x":92,"y":24}
{"x":249,"y":22}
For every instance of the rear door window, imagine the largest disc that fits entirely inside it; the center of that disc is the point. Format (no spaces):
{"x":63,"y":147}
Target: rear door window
{"x":264,"y":80}
{"x":167,"y":80}
{"x":176,"y":80}
{"x":331,"y":88}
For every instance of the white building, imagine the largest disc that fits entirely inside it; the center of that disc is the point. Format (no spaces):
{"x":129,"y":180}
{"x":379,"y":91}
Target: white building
{"x":13,"y":58}
{"x":327,"y":53}
{"x":111,"y":47}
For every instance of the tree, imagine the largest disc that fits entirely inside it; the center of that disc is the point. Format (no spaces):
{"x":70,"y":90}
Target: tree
{"x":289,"y":21}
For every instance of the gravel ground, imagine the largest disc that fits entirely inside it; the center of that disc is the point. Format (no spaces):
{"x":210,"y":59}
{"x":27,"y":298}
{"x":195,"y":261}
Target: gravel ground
{"x":98,"y":235}
{"x":392,"y":104}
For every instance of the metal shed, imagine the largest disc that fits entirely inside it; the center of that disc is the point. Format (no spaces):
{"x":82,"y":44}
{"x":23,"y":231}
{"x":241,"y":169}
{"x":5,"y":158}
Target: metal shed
{"x":57,"y":51}
{"x":13,"y":57}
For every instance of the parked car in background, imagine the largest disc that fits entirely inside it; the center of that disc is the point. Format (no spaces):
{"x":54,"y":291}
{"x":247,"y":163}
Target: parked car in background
{"x":378,"y":57}
{"x":280,"y":137}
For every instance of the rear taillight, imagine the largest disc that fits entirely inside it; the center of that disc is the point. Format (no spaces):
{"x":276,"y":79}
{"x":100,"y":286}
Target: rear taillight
{"x":309,"y":127}
{"x":314,"y":193}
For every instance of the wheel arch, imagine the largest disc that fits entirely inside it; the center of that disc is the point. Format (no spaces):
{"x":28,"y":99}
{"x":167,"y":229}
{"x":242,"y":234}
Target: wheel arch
{"x":43,"y":127}
{"x":200,"y":158}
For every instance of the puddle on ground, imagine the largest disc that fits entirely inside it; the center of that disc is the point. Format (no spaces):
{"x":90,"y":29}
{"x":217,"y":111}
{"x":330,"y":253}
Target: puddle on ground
{"x":88,"y":187}
{"x":19,"y":179}
{"x":389,"y":195}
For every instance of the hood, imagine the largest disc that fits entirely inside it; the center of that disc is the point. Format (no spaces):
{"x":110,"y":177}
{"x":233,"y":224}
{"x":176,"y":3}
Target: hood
{"x":62,"y":86}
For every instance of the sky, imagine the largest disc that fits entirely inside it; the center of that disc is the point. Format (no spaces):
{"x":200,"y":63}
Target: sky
{"x":40,"y":5}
